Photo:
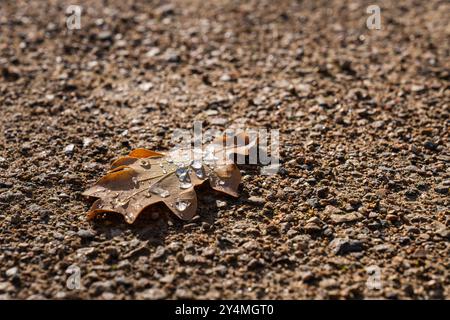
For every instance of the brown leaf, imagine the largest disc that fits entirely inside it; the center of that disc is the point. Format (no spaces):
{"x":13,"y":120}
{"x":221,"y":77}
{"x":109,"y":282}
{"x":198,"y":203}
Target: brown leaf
{"x":145,"y":177}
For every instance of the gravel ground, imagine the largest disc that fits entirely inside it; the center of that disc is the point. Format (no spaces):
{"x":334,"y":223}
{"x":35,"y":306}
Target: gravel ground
{"x":360,"y":208}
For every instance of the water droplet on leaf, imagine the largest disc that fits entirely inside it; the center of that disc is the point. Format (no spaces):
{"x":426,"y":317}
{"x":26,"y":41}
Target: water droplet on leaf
{"x":185,"y":185}
{"x":124,"y":203}
{"x":196,"y":164}
{"x":183,"y":176}
{"x":145,"y":164}
{"x":129,"y":216}
{"x":163,"y":193}
{"x":200,"y":173}
{"x":182,"y":205}
{"x":135,"y":182}
{"x":182,"y":173}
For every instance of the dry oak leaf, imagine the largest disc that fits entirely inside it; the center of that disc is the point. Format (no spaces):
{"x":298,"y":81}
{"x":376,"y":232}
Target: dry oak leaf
{"x":146,"y":177}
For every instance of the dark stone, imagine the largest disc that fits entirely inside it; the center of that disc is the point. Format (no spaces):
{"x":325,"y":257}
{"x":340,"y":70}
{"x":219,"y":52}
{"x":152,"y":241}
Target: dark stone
{"x":341,"y":246}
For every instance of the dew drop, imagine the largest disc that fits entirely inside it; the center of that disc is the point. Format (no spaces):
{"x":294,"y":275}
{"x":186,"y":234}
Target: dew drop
{"x":199,"y":173}
{"x":135,"y":182}
{"x":183,"y":176}
{"x":196,"y":164}
{"x":185,"y":185}
{"x":182,"y":205}
{"x":163,"y":193}
{"x":124,"y":203}
{"x":129,"y":217}
{"x":181,"y":172}
{"x":114,"y":195}
{"x":145,"y":164}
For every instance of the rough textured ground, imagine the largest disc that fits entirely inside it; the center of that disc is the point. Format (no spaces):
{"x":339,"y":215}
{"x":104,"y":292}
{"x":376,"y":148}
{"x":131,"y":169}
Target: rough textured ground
{"x":364,"y":122}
